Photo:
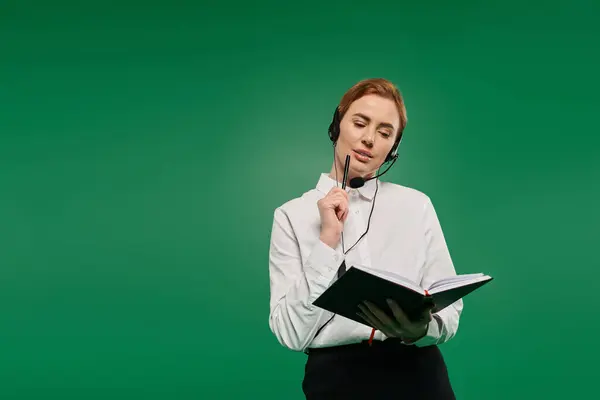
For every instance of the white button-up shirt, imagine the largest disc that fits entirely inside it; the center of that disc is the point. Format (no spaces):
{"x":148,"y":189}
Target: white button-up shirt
{"x":404,"y":237}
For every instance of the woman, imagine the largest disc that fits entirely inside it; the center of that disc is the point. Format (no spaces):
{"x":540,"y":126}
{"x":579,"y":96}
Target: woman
{"x":315,"y":236}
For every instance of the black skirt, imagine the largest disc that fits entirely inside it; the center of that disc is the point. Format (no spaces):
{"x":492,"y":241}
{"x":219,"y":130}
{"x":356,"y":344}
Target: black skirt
{"x":384,"y":370}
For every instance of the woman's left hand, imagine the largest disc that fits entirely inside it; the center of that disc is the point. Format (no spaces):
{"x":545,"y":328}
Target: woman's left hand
{"x":398,"y":325}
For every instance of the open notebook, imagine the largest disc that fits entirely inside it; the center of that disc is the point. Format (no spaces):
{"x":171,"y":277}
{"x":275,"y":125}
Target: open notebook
{"x":360,"y":284}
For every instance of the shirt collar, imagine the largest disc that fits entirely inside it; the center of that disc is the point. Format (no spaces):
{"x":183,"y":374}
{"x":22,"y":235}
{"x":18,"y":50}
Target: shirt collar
{"x":326,"y":183}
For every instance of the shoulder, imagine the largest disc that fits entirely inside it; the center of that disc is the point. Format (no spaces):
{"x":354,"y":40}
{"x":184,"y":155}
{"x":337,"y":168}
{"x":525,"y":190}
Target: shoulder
{"x":299,"y":216}
{"x":302,"y":205}
{"x":405,"y":195}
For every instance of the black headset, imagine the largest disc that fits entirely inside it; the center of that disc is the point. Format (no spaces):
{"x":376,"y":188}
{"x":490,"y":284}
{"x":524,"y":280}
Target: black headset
{"x":334,"y":134}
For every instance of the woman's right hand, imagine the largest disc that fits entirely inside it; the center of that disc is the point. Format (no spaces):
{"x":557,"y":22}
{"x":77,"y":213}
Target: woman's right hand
{"x":333,"y":209}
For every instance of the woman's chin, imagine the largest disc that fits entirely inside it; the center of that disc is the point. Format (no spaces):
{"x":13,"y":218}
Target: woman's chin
{"x":361,"y":171}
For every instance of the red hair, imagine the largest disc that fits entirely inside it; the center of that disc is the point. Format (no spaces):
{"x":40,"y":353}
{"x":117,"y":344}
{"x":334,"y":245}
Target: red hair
{"x":381,"y":87}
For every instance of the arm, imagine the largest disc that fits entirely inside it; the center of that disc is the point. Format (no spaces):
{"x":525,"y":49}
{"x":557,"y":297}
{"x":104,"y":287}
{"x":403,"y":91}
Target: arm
{"x":438,"y":264}
{"x":292,"y":318}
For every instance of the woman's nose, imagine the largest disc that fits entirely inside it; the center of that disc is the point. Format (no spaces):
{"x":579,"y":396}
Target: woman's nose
{"x":368,"y":140}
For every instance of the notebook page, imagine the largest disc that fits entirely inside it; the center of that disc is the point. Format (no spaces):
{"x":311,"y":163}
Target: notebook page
{"x":390,"y":276}
{"x":452,"y":284}
{"x":453,"y":279}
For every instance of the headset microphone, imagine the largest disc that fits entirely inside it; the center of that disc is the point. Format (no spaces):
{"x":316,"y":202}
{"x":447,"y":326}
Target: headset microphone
{"x":359,"y":181}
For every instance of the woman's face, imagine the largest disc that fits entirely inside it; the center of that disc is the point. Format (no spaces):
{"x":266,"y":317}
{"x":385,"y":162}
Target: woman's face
{"x":367,"y":133}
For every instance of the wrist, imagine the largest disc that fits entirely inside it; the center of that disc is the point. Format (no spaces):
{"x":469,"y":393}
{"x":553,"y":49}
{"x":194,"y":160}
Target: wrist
{"x":330,"y":239}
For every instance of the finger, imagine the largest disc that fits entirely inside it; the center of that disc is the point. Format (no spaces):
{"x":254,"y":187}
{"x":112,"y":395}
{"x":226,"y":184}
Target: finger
{"x":427,"y":311}
{"x":365,"y":310}
{"x":343,"y":208}
{"x":337,"y":195}
{"x":345,"y":212}
{"x":426,"y":317}
{"x":407,"y":325}
{"x":341,"y":198}
{"x":376,"y":325}
{"x":429,"y":303}
{"x":388,"y":325}
{"x":380,"y":314}
{"x":399,"y":314}
{"x":338,"y":191}
{"x":338,"y":202}
{"x":369,"y":321}
{"x":339,"y":211}
{"x":341,"y":191}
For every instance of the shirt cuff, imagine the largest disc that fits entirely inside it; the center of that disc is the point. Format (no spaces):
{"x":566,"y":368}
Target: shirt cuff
{"x":322,"y":264}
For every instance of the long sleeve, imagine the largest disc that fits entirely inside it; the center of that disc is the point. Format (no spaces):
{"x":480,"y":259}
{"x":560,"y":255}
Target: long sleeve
{"x":294,"y":285}
{"x":438,"y":264}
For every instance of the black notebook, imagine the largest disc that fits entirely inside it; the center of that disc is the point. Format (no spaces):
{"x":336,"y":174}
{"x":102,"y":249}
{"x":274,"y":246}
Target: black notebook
{"x":359,"y":284}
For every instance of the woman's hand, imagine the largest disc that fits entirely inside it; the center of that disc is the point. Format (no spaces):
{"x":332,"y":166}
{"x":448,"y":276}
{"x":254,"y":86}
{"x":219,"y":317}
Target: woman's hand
{"x":333,"y":209}
{"x":397,"y":325}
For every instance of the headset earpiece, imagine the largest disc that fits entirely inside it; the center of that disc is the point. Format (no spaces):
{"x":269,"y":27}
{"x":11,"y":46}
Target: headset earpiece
{"x":394,"y":151}
{"x":334,"y":127}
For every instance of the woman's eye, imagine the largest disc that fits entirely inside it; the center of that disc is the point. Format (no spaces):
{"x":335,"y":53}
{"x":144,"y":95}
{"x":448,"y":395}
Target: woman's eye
{"x":359,"y":124}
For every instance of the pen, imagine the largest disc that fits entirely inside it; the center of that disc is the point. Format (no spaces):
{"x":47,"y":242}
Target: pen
{"x":346,"y":168}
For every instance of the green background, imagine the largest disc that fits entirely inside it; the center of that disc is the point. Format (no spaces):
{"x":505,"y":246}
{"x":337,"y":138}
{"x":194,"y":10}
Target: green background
{"x":144,"y":147}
